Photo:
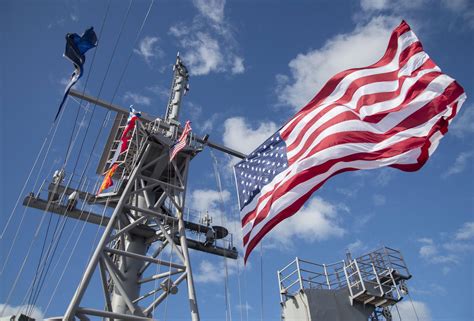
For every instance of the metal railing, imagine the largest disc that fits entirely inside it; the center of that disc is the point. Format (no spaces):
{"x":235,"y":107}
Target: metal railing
{"x":301,"y":274}
{"x":375,"y":274}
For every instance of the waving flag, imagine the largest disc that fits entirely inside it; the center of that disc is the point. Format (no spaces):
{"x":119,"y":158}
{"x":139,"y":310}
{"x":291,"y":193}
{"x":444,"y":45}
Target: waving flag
{"x":127,"y":133}
{"x":122,"y":147}
{"x":107,"y":182}
{"x":392,"y":113}
{"x":181,"y":143}
{"x":76,"y":47}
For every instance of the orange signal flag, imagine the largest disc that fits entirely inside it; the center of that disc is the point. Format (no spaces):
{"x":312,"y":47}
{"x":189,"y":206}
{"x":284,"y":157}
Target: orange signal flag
{"x":107,"y":182}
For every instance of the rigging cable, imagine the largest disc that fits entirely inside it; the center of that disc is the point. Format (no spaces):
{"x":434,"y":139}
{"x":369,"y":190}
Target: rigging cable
{"x":26,"y":183}
{"x":103,"y":124}
{"x":398,"y":312}
{"x":237,"y":228}
{"x":36,"y":234}
{"x":55,"y":126}
{"x":73,"y":250}
{"x":226,"y":280}
{"x":413,"y":306}
{"x":65,"y":219}
{"x":42,"y":258}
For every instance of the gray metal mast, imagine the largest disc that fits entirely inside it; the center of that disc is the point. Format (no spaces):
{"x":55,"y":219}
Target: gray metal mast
{"x":148,"y":203}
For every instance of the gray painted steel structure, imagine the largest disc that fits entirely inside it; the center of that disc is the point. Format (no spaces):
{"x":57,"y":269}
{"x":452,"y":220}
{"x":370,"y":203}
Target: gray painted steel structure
{"x":149,"y":204}
{"x":350,"y":290}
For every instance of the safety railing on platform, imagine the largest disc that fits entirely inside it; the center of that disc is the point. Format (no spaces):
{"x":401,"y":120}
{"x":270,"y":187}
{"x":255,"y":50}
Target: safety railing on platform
{"x":301,"y":274}
{"x":378,"y":273}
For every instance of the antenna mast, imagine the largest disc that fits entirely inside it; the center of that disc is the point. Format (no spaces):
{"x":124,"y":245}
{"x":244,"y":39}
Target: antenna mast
{"x":149,"y":202}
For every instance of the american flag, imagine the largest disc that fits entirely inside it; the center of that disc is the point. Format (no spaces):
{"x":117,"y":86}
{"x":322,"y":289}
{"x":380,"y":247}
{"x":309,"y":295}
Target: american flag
{"x":392,"y":113}
{"x":181,"y":143}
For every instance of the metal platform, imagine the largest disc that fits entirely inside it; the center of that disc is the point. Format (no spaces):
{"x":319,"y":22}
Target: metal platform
{"x":357,"y":287}
{"x":142,"y":230}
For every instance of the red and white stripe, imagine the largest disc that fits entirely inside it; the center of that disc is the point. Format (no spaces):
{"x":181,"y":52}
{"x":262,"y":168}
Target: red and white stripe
{"x":392,"y":113}
{"x":181,"y":143}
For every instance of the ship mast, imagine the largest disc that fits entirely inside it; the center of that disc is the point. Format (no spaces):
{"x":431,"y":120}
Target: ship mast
{"x":149,"y":203}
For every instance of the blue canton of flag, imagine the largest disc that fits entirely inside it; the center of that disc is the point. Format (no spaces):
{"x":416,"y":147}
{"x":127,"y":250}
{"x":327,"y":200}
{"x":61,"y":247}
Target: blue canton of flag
{"x":260,"y":167}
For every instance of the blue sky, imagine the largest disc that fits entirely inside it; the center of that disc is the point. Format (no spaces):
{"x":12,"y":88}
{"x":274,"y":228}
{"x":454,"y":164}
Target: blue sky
{"x":252,"y":64}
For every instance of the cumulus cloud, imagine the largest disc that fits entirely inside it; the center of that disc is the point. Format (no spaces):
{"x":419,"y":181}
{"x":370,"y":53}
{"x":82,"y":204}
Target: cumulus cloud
{"x":9,"y":310}
{"x":318,"y":220}
{"x":419,"y":311}
{"x":466,"y":232}
{"x":452,"y":249}
{"x":238,"y":67}
{"x":208,"y":42}
{"x":211,"y":9}
{"x":399,"y":5}
{"x":137,"y":98}
{"x":214,"y":202}
{"x":463,"y":124}
{"x":460,"y":164}
{"x":237,"y":128}
{"x":429,"y":251}
{"x":148,"y":49}
{"x":203,"y":54}
{"x":357,"y":247}
{"x":361,"y":47}
{"x":204,"y":200}
{"x":215,"y":271}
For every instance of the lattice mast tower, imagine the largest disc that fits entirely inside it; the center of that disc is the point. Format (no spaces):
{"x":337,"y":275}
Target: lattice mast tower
{"x":148,"y":207}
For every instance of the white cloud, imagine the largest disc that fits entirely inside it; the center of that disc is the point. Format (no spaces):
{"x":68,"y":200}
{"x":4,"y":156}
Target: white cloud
{"x":203,"y":54}
{"x":379,"y":200}
{"x":399,"y":5}
{"x":208,"y":42}
{"x":137,"y":98}
{"x":211,"y":9}
{"x":318,"y":220}
{"x":452,"y":250}
{"x":456,"y":5}
{"x":463,"y":124}
{"x":466,"y":232}
{"x":214,"y":272}
{"x":419,"y":311}
{"x":148,"y":49}
{"x":361,"y":47}
{"x":459,"y":164}
{"x":160,"y":91}
{"x":214,"y":202}
{"x":238,"y":67}
{"x":428,"y":249}
{"x":374,"y":4}
{"x":357,"y":247}
{"x":204,"y":200}
{"x":384,"y":176}
{"x":463,"y":9}
{"x":8,"y":310}
{"x":237,"y":128}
